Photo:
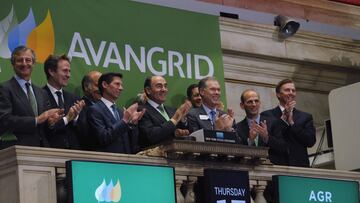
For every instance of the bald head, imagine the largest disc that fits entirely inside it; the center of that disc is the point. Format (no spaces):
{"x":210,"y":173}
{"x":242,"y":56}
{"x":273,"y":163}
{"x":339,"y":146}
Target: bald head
{"x":250,"y":103}
{"x":90,"y":85}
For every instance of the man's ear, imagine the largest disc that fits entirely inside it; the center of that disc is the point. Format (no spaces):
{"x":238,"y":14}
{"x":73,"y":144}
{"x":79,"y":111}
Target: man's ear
{"x":278,"y":95}
{"x":104,"y":84}
{"x":52,"y":73}
{"x":242,"y":106}
{"x":147,"y":90}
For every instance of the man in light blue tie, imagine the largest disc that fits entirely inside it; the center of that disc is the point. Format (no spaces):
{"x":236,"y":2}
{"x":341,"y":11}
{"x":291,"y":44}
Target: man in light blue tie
{"x":208,"y":116}
{"x":115,"y":130}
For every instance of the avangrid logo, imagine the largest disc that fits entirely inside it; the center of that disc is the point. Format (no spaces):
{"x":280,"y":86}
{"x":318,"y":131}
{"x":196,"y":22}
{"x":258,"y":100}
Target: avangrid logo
{"x":38,"y":37}
{"x":108,"y":193}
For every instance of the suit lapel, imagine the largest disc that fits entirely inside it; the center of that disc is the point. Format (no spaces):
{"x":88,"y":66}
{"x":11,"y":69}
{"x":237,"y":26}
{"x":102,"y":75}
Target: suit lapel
{"x":152,"y":111}
{"x":51,"y":97}
{"x":107,"y":112}
{"x":67,"y":101}
{"x":205,"y":123}
{"x":277,"y":112}
{"x":21,"y":95}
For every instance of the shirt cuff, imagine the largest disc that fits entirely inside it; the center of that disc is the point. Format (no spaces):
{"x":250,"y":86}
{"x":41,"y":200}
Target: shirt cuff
{"x":65,"y":120}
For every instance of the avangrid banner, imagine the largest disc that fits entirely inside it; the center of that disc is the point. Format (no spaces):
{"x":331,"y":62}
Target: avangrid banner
{"x":132,"y":38}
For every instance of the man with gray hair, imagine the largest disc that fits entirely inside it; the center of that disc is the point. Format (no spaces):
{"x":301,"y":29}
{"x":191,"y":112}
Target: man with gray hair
{"x":24,"y":107}
{"x":208,"y":116}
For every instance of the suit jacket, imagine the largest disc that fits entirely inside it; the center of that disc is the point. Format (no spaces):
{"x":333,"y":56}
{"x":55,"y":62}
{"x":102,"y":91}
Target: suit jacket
{"x":298,"y":137}
{"x":153,"y":126}
{"x":17,"y":117}
{"x":86,"y":140}
{"x":112,"y":136}
{"x":276,"y":143}
{"x":194,"y":121}
{"x":61,"y":135}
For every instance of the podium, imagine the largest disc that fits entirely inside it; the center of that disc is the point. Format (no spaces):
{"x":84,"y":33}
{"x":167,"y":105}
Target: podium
{"x":29,"y":174}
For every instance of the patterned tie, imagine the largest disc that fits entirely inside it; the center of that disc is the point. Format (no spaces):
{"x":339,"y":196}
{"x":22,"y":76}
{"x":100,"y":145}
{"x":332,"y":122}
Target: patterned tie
{"x":60,"y":100}
{"x":116,"y":113}
{"x":31,"y":98}
{"x":257,"y":137}
{"x":212,"y":118}
{"x":163,"y":112}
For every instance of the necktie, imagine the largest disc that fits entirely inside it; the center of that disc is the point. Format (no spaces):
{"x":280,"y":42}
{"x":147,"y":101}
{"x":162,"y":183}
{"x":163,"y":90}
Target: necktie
{"x":212,"y":116}
{"x":257,"y":137}
{"x":60,"y":100}
{"x":31,"y":98}
{"x":115,"y":112}
{"x":163,"y":112}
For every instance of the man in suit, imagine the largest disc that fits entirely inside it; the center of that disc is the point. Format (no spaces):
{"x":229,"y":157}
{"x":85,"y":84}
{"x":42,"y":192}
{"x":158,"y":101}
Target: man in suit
{"x":24,"y":108}
{"x":91,"y":92}
{"x":256,"y":130}
{"x":208,"y":116}
{"x":193,"y":95}
{"x":295,"y":126}
{"x":62,"y":134}
{"x":114,"y":129}
{"x":160,"y":122}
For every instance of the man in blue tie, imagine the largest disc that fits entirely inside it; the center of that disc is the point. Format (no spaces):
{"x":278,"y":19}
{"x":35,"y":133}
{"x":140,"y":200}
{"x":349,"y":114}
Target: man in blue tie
{"x":114,"y":129}
{"x":208,"y":116}
{"x":24,"y":107}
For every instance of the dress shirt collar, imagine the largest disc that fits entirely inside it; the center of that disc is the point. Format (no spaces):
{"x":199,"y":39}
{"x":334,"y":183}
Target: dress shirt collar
{"x":153,"y":104}
{"x":107,"y":103}
{"x":53,"y":89}
{"x":283,"y":108}
{"x":207,"y":109}
{"x":22,"y":82}
{"x":257,"y":119}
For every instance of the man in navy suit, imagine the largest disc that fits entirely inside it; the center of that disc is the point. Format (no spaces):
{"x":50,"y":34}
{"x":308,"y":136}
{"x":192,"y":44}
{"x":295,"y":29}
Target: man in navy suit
{"x":160,"y":122}
{"x":295,"y":126}
{"x":24,"y":107}
{"x":256,"y":130}
{"x":114,"y":129}
{"x":63,"y":133}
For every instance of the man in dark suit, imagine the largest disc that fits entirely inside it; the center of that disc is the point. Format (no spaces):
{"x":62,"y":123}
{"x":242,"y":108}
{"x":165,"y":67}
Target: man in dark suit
{"x":91,"y":92}
{"x":208,"y":116}
{"x":24,"y":108}
{"x":62,"y":134}
{"x":160,"y":122}
{"x":295,"y":126}
{"x":256,"y":130}
{"x":114,"y":129}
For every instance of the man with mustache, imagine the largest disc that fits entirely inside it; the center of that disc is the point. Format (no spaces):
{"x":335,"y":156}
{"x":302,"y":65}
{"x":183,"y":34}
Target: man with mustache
{"x":295,"y":126}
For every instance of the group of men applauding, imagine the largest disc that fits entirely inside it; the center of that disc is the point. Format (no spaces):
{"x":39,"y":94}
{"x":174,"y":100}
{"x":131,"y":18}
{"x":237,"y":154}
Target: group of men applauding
{"x":53,"y":117}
